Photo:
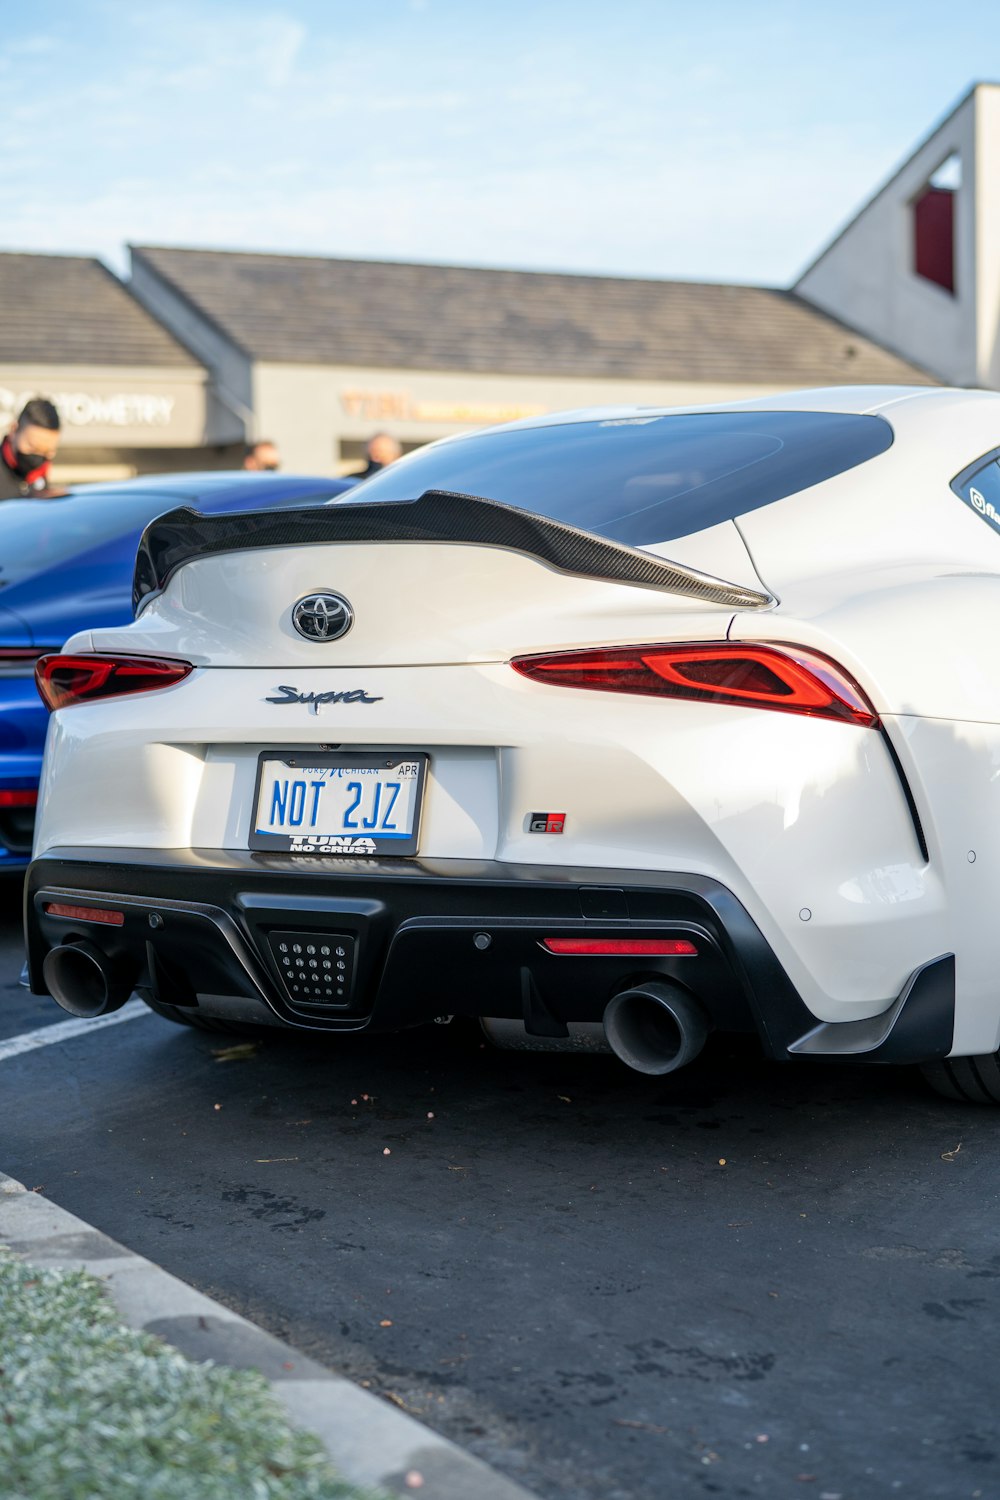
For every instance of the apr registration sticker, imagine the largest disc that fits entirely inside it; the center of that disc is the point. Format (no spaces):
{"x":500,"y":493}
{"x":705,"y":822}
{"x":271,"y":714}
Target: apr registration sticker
{"x":336,"y":805}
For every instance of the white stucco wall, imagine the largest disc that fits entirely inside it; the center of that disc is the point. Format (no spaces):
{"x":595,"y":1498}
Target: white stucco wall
{"x":308,"y":410}
{"x":866,"y":276}
{"x":988,"y":236}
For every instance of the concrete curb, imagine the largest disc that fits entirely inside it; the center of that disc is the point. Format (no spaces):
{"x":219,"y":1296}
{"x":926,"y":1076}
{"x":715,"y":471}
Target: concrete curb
{"x":369,"y":1442}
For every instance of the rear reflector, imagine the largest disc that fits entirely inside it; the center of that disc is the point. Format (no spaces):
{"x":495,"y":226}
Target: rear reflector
{"x":65,"y":680}
{"x":19,"y":799}
{"x":790,"y":678}
{"x":635,"y":947}
{"x":85,"y":913}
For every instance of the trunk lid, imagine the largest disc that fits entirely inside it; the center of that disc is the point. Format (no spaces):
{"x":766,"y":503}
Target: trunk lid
{"x":473,"y":581}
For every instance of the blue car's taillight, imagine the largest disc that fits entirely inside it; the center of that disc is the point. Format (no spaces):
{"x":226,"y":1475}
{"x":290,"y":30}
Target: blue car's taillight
{"x":19,"y":661}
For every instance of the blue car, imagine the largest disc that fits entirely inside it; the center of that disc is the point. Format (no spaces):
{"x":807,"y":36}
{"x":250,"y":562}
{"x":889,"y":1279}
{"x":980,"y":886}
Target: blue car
{"x":66,"y":565}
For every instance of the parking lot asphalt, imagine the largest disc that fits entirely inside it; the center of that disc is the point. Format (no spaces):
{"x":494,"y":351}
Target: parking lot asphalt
{"x":745,"y":1279}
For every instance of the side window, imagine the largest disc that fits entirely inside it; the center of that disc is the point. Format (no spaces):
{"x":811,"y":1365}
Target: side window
{"x":979,"y":487}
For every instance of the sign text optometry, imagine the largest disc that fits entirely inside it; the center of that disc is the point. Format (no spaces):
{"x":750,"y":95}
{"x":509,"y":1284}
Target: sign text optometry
{"x":84,"y":409}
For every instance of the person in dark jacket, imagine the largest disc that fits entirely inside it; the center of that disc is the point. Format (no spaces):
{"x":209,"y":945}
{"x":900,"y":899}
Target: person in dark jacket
{"x":380,"y":450}
{"x":27,"y":451}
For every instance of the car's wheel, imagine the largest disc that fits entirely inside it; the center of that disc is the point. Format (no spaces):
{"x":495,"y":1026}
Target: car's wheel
{"x":185,"y":1017}
{"x":971,"y":1080}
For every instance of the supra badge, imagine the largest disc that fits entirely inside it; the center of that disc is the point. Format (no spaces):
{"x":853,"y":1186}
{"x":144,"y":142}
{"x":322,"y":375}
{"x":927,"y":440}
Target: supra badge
{"x":546,"y":822}
{"x":317,"y":700}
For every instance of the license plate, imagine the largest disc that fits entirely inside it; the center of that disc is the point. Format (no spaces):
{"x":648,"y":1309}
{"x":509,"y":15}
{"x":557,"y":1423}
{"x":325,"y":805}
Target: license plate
{"x":336,"y":805}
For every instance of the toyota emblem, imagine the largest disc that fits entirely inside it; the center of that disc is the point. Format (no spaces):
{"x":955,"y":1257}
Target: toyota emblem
{"x":322,"y":617}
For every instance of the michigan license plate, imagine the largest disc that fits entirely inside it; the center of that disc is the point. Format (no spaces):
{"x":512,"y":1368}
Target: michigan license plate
{"x":345,"y":804}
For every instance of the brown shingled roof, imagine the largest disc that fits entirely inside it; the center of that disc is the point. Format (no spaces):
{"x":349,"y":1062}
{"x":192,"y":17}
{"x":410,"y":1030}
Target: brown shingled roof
{"x":71,"y":310}
{"x":303,"y":310}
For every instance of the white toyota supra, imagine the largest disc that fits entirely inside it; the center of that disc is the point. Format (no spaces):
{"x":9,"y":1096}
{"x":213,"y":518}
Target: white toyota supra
{"x":609,"y":728}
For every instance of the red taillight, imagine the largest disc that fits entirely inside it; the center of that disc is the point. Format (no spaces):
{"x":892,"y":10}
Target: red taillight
{"x":64,"y":680}
{"x":85,"y":913}
{"x":789,"y":678}
{"x":636,"y":947}
{"x":19,"y":799}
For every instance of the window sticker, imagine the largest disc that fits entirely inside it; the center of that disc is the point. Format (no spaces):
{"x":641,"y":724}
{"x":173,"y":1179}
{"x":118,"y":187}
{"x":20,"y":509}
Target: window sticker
{"x":982,"y":493}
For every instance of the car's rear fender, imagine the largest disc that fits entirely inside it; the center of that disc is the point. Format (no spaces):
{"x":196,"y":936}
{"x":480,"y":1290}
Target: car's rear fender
{"x":919,"y":640}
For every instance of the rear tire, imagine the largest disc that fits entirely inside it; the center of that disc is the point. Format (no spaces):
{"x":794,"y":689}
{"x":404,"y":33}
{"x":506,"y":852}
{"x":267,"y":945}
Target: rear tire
{"x":967,"y":1080}
{"x":185,"y":1017}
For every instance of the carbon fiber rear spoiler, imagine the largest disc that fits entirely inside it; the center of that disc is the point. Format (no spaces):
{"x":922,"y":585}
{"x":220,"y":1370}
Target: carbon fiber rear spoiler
{"x":183,"y":535}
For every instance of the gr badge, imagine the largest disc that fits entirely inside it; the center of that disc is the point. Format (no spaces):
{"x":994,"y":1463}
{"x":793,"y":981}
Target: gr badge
{"x":546,"y":822}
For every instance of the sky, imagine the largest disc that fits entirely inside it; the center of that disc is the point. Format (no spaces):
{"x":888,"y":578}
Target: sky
{"x":707,"y":141}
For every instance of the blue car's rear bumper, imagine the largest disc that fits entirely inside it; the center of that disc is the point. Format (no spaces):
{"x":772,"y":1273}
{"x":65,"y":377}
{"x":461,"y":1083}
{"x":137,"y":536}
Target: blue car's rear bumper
{"x":23,"y":724}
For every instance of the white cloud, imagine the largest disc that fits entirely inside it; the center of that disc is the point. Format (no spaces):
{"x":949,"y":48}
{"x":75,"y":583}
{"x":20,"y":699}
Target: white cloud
{"x":38,"y":44}
{"x":278,"y":47}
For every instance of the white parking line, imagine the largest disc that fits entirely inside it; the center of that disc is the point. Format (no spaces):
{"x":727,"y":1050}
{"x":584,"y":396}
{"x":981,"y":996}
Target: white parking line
{"x":64,"y":1031}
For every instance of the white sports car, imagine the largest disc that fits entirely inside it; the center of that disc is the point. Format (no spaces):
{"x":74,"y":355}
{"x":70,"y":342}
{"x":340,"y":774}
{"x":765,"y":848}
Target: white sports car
{"x":609,"y":728}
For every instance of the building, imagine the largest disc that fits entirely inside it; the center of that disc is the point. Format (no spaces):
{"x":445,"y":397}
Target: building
{"x":132,"y":398}
{"x":918,"y":268}
{"x":325,"y":352}
{"x":202,"y":350}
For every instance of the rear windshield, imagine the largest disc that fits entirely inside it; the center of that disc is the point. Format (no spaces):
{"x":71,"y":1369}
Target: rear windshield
{"x":642,"y":479}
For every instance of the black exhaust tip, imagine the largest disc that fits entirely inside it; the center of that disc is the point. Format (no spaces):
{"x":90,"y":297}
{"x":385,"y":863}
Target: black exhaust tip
{"x":83,"y":980}
{"x":655,"y":1027}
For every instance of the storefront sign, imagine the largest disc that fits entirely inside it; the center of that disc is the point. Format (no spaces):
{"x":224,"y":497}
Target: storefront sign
{"x":81,"y":409}
{"x":402,"y":406}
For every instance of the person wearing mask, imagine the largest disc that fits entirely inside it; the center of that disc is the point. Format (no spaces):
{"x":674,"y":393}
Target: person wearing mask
{"x":380,"y":451}
{"x":262,"y":455}
{"x":27,"y":451}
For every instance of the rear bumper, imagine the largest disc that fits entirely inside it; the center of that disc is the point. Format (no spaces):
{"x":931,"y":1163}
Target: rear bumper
{"x":408,"y":940}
